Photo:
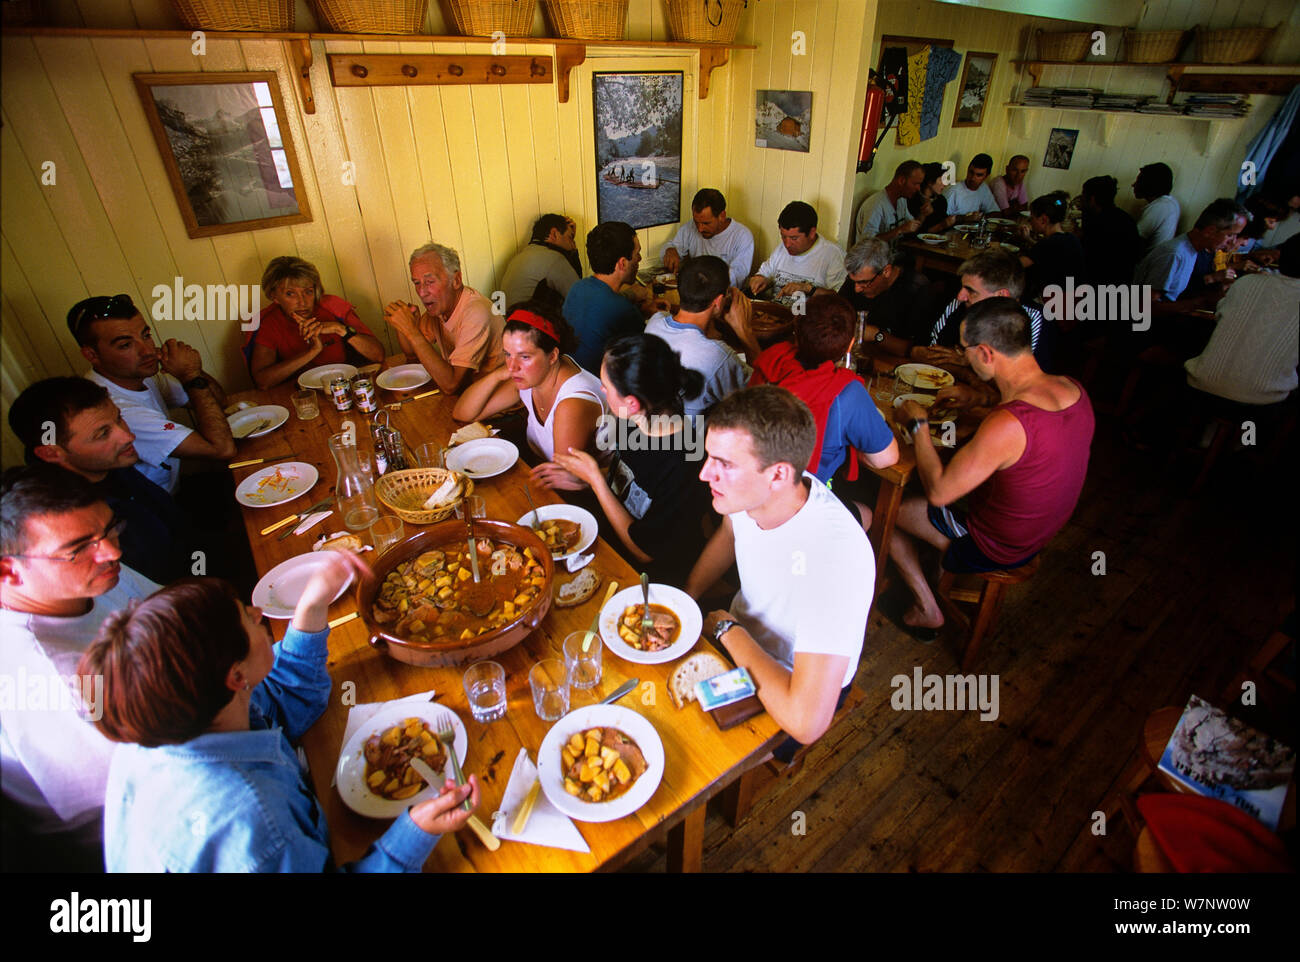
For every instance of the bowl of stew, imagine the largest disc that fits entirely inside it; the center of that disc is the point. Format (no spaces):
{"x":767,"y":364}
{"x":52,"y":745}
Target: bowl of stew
{"x":422,"y":610}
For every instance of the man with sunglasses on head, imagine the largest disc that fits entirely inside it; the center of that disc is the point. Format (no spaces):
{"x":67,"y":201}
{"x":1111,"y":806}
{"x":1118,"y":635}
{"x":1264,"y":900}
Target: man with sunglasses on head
{"x":144,"y":381}
{"x":61,"y":576}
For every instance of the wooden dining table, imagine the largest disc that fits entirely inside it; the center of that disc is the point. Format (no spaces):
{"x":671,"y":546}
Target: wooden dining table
{"x":948,"y":256}
{"x":700,"y":759}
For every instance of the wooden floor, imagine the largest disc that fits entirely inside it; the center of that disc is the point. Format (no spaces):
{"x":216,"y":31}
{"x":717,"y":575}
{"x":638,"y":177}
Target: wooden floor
{"x":1192,"y":587}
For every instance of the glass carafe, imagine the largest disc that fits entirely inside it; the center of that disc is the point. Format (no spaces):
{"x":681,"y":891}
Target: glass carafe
{"x":353,"y":492}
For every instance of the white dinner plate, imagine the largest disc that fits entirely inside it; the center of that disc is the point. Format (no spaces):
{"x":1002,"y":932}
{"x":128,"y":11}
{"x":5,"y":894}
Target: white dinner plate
{"x":925,"y":376}
{"x":925,"y":400}
{"x":931,"y":239}
{"x":254,"y":422}
{"x":675,"y":600}
{"x":550,"y":766}
{"x":276,"y":484}
{"x":320,"y":377}
{"x":350,"y":775}
{"x":966,"y":228}
{"x":1002,"y":222}
{"x":281,"y":588}
{"x":1010,"y":247}
{"x":566,"y":512}
{"x":483,"y":457}
{"x":404,"y":377}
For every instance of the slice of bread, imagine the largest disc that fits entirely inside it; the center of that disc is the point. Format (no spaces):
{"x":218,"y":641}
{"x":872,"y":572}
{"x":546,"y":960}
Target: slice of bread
{"x":470,"y":432}
{"x":339,"y":542}
{"x":446,"y":491}
{"x":578,"y":589}
{"x":696,"y":668}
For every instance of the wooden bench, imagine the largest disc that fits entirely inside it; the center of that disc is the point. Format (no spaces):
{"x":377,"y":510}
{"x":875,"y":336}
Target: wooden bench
{"x":740,"y":796}
{"x":987,"y":600}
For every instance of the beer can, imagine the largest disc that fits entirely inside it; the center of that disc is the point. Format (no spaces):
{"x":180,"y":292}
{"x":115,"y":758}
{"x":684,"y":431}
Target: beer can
{"x":363,"y":389}
{"x":340,"y":390}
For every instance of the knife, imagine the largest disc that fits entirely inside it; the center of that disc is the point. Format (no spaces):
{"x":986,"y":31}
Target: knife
{"x":595,"y":622}
{"x":620,"y":691}
{"x":305,"y":515}
{"x":482,"y":831}
{"x":294,"y":517}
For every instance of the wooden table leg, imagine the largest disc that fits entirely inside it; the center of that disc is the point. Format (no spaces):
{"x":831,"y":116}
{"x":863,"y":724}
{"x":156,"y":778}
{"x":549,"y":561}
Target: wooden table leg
{"x":686,"y":842}
{"x":882,"y":524}
{"x":738,"y":797}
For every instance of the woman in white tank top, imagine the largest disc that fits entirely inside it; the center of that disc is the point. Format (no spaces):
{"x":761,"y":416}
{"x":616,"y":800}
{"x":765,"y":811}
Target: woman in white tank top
{"x":564,"y":402}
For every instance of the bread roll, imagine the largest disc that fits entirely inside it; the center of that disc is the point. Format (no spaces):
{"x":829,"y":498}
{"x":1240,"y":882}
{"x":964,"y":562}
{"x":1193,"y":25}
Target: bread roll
{"x":696,"y":668}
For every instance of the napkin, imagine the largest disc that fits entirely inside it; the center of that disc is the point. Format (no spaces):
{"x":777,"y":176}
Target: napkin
{"x":358,"y":715}
{"x":546,"y":826}
{"x":311,"y":521}
{"x":576,"y":562}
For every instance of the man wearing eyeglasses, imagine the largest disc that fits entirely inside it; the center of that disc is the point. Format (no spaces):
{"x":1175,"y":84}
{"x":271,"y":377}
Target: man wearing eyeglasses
{"x":898,"y":300}
{"x":144,"y":381}
{"x":1023,"y":470}
{"x":61,"y":577}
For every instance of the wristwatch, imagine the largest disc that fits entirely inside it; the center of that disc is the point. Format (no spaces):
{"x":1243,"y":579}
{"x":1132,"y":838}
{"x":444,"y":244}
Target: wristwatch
{"x":195,"y":383}
{"x":915,"y":424}
{"x":721,"y":628}
{"x":880,"y":336}
{"x":349,"y":332}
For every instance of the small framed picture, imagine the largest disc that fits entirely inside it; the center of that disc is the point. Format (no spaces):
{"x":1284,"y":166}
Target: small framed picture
{"x":783,"y":119}
{"x":973,"y":94}
{"x":1060,"y":148}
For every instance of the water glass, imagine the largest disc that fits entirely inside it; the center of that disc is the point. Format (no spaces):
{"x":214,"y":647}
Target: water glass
{"x":549,"y":680}
{"x":485,"y":686}
{"x":583,"y":666}
{"x":474,"y":504}
{"x":307,"y":404}
{"x":431,"y":456}
{"x":387,"y":531}
{"x":366,"y":458}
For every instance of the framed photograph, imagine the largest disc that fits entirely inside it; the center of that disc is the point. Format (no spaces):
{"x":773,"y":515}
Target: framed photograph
{"x":223,"y":139}
{"x":1060,"y":148}
{"x":976,"y":79}
{"x":782,"y":119}
{"x":638,"y":147}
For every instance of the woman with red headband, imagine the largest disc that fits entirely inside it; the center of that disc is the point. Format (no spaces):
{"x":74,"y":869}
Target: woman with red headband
{"x":564,"y":402}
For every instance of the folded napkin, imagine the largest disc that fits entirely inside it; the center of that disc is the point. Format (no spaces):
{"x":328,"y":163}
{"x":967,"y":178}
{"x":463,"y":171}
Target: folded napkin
{"x":311,"y":521}
{"x":576,"y":562}
{"x":546,"y":826}
{"x":358,"y":715}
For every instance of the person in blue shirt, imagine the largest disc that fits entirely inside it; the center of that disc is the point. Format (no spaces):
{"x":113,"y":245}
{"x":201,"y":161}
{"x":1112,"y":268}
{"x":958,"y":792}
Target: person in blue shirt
{"x":207,"y":780}
{"x":594,"y":308}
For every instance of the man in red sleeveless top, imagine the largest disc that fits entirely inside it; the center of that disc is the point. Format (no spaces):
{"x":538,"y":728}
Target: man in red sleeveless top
{"x":1023,"y":469}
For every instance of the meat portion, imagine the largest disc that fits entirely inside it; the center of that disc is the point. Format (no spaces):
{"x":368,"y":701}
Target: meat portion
{"x":627,"y":750}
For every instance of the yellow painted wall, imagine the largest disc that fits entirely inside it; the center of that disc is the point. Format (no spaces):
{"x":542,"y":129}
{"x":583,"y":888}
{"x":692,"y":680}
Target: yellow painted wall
{"x":1201,"y":172}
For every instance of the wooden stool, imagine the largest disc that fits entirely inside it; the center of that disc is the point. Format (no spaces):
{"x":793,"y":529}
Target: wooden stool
{"x":987,"y":599}
{"x":739,"y":797}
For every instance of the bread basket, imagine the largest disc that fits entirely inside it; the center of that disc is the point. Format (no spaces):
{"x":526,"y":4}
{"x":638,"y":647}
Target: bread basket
{"x":404,"y":493}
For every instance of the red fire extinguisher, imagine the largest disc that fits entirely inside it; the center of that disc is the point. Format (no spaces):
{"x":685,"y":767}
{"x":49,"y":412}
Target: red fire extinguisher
{"x":870,"y":126}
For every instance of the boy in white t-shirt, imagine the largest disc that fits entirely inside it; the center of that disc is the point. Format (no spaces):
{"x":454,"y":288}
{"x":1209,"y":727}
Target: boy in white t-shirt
{"x":806,"y":567}
{"x":805,"y":262}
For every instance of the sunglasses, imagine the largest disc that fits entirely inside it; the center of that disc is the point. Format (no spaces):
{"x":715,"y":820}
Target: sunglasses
{"x":117,"y":307}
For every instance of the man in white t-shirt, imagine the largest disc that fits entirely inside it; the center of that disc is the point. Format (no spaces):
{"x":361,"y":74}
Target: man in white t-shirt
{"x":119,"y":345}
{"x":885,"y":215}
{"x":806,"y":567}
{"x":972,"y":197}
{"x":1159,"y":219}
{"x":711,"y":231}
{"x":805,"y":262}
{"x":60,"y":578}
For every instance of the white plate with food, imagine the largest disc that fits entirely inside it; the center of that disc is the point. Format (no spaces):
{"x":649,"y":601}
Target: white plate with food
{"x":281,"y":588}
{"x":610,"y":792}
{"x":256,"y":421}
{"x":483,"y":458}
{"x":404,"y":724}
{"x":925,"y":376}
{"x":404,"y":377}
{"x":564,"y":528}
{"x":676,"y":630}
{"x":966,"y":228}
{"x":1010,"y":247}
{"x":667,"y":280}
{"x":931,"y":239}
{"x":320,"y":377}
{"x":1001,"y":222}
{"x":276,"y":484}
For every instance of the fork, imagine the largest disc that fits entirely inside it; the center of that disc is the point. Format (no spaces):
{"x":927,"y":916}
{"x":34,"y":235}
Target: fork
{"x":447,"y":735}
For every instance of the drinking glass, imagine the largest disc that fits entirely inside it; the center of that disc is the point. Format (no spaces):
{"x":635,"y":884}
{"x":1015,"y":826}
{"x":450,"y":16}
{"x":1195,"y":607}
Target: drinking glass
{"x":583,"y":666}
{"x":307,"y":404}
{"x":431,"y":456}
{"x":476,"y":506}
{"x":485,"y":686}
{"x":387,"y":531}
{"x":366,"y":458}
{"x":549,"y":680}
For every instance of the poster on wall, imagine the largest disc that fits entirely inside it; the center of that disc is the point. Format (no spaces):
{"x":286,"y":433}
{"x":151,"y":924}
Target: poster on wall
{"x":973,"y":93}
{"x":638,"y":147}
{"x":783,"y":119}
{"x":1060,"y":148}
{"x":224,"y":141}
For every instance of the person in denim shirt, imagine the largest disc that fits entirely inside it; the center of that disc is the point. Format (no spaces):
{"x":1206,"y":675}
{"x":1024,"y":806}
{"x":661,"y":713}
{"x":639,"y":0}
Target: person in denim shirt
{"x":208,"y":781}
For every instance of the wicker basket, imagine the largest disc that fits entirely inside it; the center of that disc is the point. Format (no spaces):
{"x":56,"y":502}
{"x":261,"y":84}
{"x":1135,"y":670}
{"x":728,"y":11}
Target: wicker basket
{"x":404,"y":493}
{"x":1153,"y":46}
{"x":704,"y":21}
{"x":587,"y":19}
{"x":482,"y":18}
{"x":271,"y":15}
{"x":374,"y":16}
{"x":1071,"y":46}
{"x":1235,"y":45}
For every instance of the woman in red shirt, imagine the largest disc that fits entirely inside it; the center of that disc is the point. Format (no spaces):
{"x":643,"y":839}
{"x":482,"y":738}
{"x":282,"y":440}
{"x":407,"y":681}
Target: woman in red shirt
{"x":304,"y":326}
